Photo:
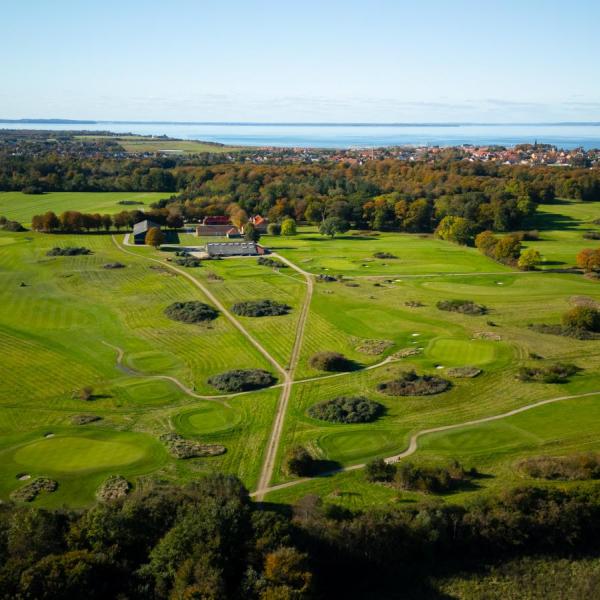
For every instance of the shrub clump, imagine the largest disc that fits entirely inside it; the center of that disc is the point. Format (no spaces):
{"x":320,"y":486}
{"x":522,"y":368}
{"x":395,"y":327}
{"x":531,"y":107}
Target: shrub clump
{"x":8,"y":225}
{"x":430,"y":479}
{"x":29,"y":492}
{"x":411,"y":384}
{"x":191,"y":312}
{"x":566,"y":468}
{"x":322,"y":277}
{"x":586,"y":318}
{"x":465,"y":307}
{"x":265,"y":261}
{"x":384,"y":255}
{"x":188,"y":261}
{"x":330,"y":361}
{"x":346,"y":410}
{"x":557,"y":373}
{"x":242,"y":380}
{"x":113,"y":488}
{"x":68,"y":251}
{"x":300,"y":462}
{"x":374,"y":347}
{"x":260,"y":308}
{"x":463,"y":372}
{"x":179,"y":447}
{"x":114,"y":265}
{"x":84,"y":419}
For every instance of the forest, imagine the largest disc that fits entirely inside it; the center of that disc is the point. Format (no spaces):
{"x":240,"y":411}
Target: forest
{"x":208,"y":540}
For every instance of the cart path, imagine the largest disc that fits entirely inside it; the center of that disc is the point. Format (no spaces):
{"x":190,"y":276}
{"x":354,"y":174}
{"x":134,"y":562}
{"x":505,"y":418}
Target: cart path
{"x":266,"y":472}
{"x":413,"y":444}
{"x":215,"y":301}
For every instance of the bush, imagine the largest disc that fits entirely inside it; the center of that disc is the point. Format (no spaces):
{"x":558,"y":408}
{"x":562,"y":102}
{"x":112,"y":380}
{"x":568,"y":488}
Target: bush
{"x":13,"y":226}
{"x":260,"y":308}
{"x":242,"y":380}
{"x":265,"y":261}
{"x":68,"y":251}
{"x":468,"y":372}
{"x":557,"y":373}
{"x":430,"y":479}
{"x":346,"y":410}
{"x":465,"y":307}
{"x":191,"y":312}
{"x":378,"y":470}
{"x":586,"y":318}
{"x":29,"y":492}
{"x":592,"y":235}
{"x":274,"y":229}
{"x":114,"y":265}
{"x":565,"y":468}
{"x":300,"y":462}
{"x":113,"y":488}
{"x":288,"y":227}
{"x":84,"y":393}
{"x":330,"y":361}
{"x":84,"y":419}
{"x":384,"y":255}
{"x":411,"y":384}
{"x":179,"y":447}
{"x":188,"y":261}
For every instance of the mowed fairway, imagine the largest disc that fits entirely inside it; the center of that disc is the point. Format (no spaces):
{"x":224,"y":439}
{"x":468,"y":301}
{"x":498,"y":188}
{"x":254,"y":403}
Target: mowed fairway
{"x":68,"y":322}
{"x":21,"y":207}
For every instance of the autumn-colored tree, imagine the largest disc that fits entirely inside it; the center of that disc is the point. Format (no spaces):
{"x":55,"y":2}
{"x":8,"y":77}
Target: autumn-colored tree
{"x":528,"y":259}
{"x":154,"y":237}
{"x":582,"y":317}
{"x":486,"y":242}
{"x":238,"y":216}
{"x":286,"y":570}
{"x":455,"y":229}
{"x":589,"y":259}
{"x":507,"y":249}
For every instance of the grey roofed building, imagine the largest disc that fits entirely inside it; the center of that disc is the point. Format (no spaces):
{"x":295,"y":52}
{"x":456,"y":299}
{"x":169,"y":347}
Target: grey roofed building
{"x":140,"y":229}
{"x":234,"y":249}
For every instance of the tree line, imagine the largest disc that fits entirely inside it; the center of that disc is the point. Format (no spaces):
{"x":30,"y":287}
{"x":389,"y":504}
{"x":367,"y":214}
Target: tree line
{"x":72,"y":221}
{"x":208,"y":541}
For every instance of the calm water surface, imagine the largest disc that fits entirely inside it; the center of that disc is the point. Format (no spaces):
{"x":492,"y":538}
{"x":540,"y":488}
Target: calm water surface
{"x":344,"y":136}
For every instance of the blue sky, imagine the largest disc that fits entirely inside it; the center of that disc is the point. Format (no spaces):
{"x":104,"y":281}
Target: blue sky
{"x":253,"y":60}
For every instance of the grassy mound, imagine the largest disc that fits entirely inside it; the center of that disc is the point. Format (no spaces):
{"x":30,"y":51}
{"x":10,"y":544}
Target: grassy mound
{"x":179,"y":447}
{"x":29,"y":492}
{"x":346,"y":410}
{"x":465,"y":307}
{"x":330,"y":361}
{"x":576,"y":467}
{"x":68,"y":251}
{"x":260,"y":308}
{"x":411,"y":384}
{"x":242,"y":380}
{"x":191,"y":312}
{"x":113,"y":488}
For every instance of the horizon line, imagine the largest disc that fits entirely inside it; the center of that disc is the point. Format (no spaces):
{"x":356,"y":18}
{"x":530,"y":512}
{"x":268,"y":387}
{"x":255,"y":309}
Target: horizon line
{"x":57,"y":121}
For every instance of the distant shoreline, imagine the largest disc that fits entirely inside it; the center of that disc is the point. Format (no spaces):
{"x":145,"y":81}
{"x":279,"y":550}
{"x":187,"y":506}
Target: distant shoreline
{"x":307,"y":124}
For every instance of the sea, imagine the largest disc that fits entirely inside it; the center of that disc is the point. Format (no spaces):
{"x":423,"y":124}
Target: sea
{"x":346,"y":135}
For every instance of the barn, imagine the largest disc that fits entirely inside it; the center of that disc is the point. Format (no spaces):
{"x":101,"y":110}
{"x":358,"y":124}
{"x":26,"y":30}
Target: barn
{"x":141,"y":229}
{"x":221,"y":249}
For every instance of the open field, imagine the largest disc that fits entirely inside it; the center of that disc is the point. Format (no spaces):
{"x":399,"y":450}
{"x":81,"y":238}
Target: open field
{"x":21,"y":207}
{"x":72,"y":320}
{"x":135,"y":144}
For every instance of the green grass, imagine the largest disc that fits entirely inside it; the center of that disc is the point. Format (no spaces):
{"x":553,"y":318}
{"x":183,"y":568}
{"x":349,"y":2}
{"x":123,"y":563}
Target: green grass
{"x":52,"y":334}
{"x":21,"y":207}
{"x":136,"y":144}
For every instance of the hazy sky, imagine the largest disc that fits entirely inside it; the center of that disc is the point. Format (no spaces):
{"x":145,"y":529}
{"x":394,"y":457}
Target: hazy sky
{"x":302,"y":60}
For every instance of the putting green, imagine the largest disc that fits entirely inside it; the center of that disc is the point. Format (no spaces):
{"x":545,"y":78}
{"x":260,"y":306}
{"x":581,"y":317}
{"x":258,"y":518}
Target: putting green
{"x":451,"y":351}
{"x":349,"y":446}
{"x":212,"y":418}
{"x":70,"y":454}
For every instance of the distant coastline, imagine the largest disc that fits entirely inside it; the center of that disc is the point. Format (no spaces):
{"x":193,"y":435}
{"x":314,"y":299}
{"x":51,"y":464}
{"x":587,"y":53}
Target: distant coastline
{"x":49,"y":121}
